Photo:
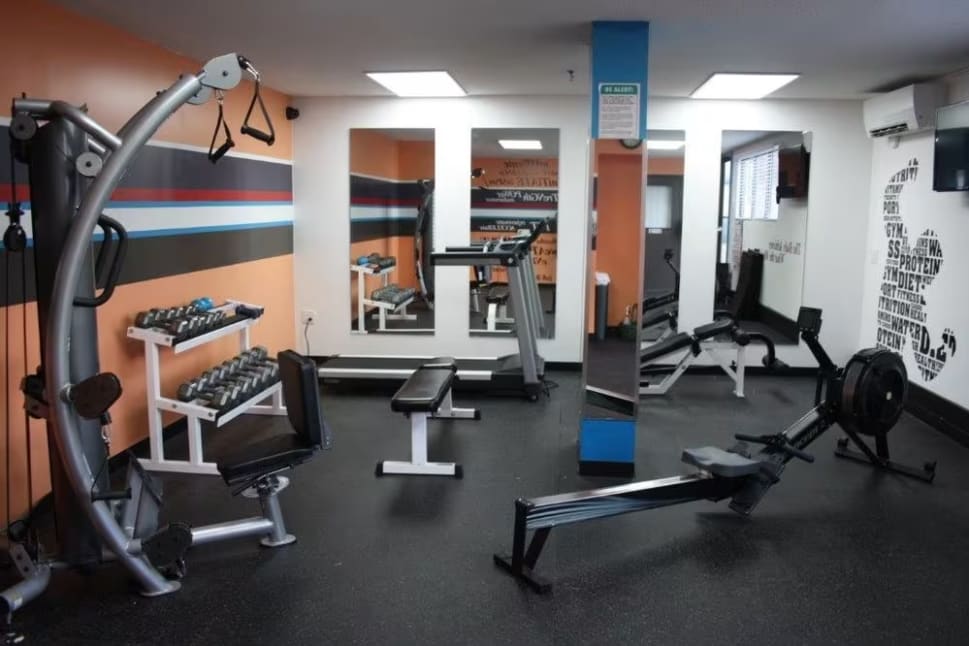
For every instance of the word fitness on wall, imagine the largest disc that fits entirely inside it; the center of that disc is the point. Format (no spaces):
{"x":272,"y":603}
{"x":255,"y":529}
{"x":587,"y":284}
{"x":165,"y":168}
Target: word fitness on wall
{"x":909,"y":270}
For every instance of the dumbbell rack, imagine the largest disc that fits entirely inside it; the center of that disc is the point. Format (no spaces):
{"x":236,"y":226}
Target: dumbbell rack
{"x":194,"y":413}
{"x":385,"y":311}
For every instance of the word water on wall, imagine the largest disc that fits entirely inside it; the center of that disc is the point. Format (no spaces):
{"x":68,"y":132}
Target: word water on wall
{"x":909,"y":270}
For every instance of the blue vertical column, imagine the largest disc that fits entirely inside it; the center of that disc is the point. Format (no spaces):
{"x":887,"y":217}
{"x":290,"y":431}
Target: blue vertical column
{"x":620,"y":56}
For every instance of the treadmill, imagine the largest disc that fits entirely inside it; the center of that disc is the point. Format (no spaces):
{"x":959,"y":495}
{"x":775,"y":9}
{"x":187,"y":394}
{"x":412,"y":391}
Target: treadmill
{"x":521,"y":373}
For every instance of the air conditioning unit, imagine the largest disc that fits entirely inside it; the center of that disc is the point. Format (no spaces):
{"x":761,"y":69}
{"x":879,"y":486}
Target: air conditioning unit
{"x":903,"y":111}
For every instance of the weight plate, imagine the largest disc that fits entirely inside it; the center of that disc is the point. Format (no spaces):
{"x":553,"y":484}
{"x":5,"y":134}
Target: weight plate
{"x":874,"y":391}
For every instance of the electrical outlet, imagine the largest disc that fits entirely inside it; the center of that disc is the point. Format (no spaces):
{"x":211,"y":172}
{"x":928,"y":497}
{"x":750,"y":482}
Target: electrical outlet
{"x":307,"y":317}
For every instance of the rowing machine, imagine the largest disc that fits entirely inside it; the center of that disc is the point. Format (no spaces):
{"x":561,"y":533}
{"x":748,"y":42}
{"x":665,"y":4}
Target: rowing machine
{"x":866,"y":397}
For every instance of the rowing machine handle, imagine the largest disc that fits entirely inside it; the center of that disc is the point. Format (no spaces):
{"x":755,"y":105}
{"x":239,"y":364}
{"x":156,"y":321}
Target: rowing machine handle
{"x":776,"y":441}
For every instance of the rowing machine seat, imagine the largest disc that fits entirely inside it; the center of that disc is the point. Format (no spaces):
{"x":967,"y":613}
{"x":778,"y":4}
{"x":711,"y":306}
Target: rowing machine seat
{"x":712,"y":329}
{"x":424,"y":391}
{"x":720,"y":463}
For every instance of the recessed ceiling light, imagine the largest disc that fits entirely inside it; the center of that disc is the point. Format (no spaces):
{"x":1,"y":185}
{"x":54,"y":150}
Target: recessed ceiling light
{"x":520,"y":144}
{"x":653,"y":144}
{"x":742,"y":86}
{"x":418,"y":84}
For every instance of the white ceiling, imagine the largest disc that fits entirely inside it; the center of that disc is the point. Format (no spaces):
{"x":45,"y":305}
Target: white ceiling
{"x":484,"y":142}
{"x":843,"y":48}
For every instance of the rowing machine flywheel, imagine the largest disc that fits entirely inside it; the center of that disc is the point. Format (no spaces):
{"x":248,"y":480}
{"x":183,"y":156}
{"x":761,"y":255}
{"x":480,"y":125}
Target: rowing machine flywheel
{"x":874,"y":391}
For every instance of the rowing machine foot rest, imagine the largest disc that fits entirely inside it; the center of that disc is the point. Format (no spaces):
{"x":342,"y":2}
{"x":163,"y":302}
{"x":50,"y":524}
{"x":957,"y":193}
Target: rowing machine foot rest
{"x":721,"y":463}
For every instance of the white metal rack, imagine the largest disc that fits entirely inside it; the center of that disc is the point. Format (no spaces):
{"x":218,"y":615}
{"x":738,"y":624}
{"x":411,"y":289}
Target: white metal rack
{"x":194,"y":412}
{"x":385,"y":311}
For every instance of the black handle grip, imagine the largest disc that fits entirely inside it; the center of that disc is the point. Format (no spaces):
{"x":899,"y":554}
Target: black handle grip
{"x":103,"y":254}
{"x":776,"y":441}
{"x":120,"y":249}
{"x":220,"y":152}
{"x":266,"y":137}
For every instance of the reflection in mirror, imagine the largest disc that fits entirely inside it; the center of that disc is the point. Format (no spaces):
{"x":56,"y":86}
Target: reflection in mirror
{"x":666,"y":153}
{"x":762,"y":228}
{"x":391,"y":230}
{"x":514,"y":188}
{"x":612,"y":357}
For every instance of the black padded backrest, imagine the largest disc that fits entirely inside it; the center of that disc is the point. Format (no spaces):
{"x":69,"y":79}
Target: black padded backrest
{"x":302,"y":396}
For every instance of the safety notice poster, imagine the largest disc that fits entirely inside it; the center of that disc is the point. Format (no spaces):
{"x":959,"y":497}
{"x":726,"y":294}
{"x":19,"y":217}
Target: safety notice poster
{"x":619,"y":110}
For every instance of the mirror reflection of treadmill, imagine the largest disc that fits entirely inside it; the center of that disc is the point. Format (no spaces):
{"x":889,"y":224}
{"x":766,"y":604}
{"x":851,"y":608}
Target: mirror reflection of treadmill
{"x":522,"y":373}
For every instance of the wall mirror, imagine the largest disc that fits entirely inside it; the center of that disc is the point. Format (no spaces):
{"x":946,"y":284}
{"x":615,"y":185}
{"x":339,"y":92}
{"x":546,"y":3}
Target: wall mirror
{"x":615,"y":283}
{"x":514,"y":194}
{"x":665,"y":156}
{"x":391,"y":230}
{"x":762,"y":226}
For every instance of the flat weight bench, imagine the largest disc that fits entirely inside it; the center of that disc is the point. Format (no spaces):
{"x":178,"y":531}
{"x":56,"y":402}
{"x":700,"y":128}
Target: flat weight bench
{"x":703,"y":339}
{"x":497,"y":299}
{"x":426,"y":394}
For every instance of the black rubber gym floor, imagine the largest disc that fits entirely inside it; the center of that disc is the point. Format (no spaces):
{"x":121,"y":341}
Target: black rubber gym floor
{"x":836,"y":553}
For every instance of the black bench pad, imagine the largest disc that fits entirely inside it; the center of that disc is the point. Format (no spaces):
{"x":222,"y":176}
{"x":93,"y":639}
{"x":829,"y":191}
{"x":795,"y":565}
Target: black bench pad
{"x":720,"y":463}
{"x":716,"y":328}
{"x":264,"y":457}
{"x":665,"y":347}
{"x":424,"y":391}
{"x":497,"y":295}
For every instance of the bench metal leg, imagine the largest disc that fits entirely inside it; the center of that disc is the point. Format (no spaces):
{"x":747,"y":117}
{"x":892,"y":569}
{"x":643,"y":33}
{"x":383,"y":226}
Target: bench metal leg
{"x":448,"y":411}
{"x":418,"y":464}
{"x":646,"y":388}
{"x":269,"y":500}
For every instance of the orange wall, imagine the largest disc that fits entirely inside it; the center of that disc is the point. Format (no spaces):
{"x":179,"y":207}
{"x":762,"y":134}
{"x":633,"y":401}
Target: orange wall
{"x":619,"y":233}
{"x":655,"y":165}
{"x":372,"y":153}
{"x":54,"y":53}
{"x":257,"y":282}
{"x":57,"y":54}
{"x":415,"y":159}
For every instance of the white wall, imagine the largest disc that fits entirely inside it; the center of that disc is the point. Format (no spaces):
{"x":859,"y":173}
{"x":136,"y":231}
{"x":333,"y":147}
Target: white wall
{"x":836,"y":230}
{"x":780,"y":288}
{"x":321,"y":190}
{"x":946,"y":305}
{"x":836,"y":224}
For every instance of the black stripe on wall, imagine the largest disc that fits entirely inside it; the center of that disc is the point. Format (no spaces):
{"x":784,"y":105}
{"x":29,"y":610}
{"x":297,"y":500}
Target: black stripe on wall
{"x":375,"y":188}
{"x":163,"y":167}
{"x":379,"y":229}
{"x":161,"y":256}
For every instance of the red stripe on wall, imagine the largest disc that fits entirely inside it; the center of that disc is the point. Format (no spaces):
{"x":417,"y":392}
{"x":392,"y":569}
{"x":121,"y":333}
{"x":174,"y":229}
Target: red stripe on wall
{"x":198,"y":195}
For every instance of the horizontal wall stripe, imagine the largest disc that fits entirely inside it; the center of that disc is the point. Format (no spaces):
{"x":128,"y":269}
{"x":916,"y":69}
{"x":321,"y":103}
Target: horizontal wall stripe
{"x":198,"y":195}
{"x":363,"y":231}
{"x":152,"y":257}
{"x":165,"y":167}
{"x":375,"y":213}
{"x":192,"y":217}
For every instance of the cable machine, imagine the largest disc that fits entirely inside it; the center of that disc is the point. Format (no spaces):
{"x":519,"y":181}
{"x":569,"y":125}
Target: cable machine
{"x":74,"y":165}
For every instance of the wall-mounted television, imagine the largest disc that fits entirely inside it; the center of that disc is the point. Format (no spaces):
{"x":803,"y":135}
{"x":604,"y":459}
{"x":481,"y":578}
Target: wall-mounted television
{"x":793,"y":164}
{"x":952,"y":148}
